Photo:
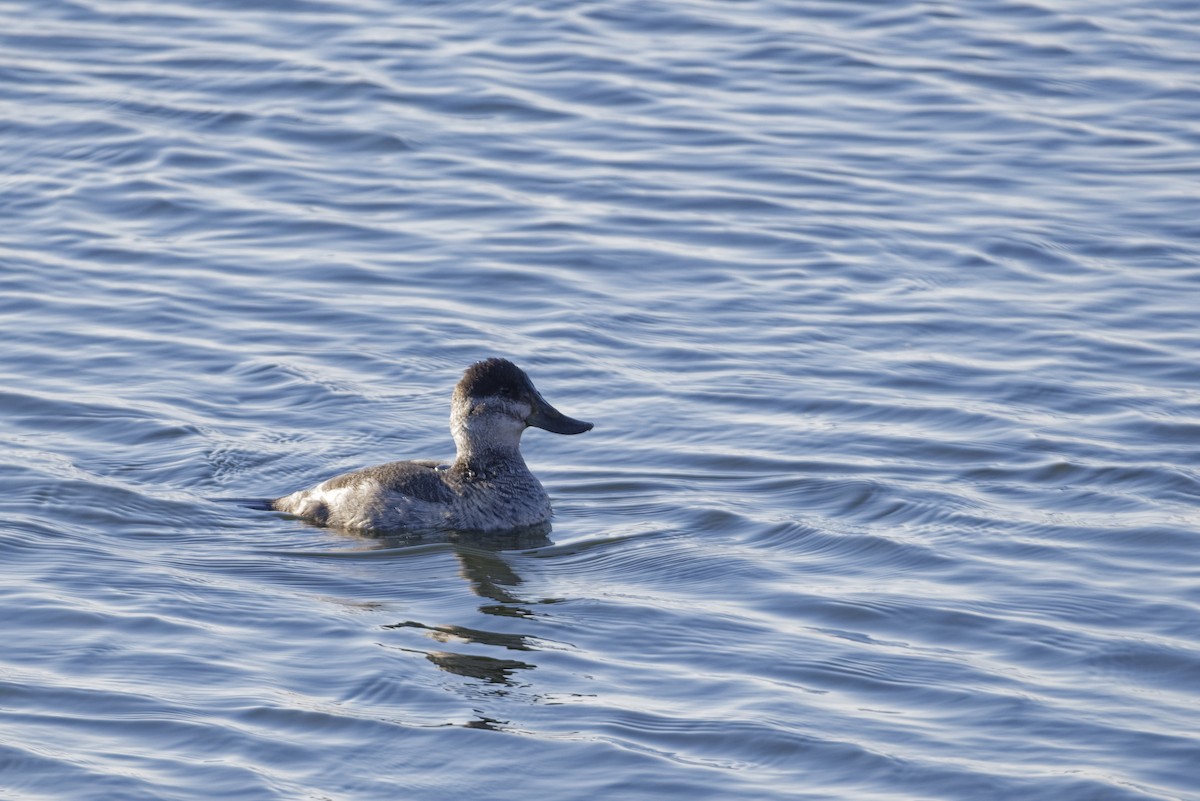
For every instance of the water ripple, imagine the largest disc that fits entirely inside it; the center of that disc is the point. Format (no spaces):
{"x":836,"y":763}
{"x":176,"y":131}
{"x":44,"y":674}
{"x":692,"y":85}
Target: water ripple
{"x":884,"y":315}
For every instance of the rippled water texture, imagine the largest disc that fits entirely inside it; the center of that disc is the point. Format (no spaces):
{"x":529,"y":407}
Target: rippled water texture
{"x":886,"y":314}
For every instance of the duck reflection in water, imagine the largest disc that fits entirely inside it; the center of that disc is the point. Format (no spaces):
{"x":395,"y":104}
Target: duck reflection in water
{"x":491,"y":576}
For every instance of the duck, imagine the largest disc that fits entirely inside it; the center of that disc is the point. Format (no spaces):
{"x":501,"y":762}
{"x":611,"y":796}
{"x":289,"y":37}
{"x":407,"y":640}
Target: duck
{"x":487,"y":488}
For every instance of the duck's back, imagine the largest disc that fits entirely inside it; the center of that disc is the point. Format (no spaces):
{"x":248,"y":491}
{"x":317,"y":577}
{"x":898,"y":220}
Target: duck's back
{"x":386,"y":496}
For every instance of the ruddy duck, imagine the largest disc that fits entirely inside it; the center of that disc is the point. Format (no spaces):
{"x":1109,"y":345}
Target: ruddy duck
{"x":487,"y":488}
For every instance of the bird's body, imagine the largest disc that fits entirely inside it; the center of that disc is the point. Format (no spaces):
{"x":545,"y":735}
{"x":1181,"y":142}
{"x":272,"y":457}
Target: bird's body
{"x":488,"y":487}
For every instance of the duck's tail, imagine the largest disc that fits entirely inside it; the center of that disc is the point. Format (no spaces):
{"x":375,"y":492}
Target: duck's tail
{"x":258,"y":504}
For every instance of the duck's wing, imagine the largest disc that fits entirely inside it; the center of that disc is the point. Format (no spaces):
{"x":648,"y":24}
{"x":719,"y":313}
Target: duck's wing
{"x":419,"y":480}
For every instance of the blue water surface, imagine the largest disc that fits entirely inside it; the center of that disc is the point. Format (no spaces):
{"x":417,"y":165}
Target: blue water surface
{"x":885,"y":313}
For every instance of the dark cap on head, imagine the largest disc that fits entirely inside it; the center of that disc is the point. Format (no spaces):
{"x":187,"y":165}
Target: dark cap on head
{"x":501,"y":378}
{"x":492,"y":377}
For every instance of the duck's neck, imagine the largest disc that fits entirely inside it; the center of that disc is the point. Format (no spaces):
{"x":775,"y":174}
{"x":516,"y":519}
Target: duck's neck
{"x":490,"y":460}
{"x":488,"y":445}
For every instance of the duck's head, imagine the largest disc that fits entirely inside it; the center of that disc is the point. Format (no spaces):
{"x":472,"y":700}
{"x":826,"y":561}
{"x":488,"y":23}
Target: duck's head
{"x":495,"y":401}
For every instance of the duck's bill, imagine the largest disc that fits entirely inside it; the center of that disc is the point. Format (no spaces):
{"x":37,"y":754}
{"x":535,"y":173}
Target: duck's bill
{"x":547,"y":417}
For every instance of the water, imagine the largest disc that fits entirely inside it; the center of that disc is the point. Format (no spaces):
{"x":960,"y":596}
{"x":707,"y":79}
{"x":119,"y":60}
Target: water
{"x":885,"y":314}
